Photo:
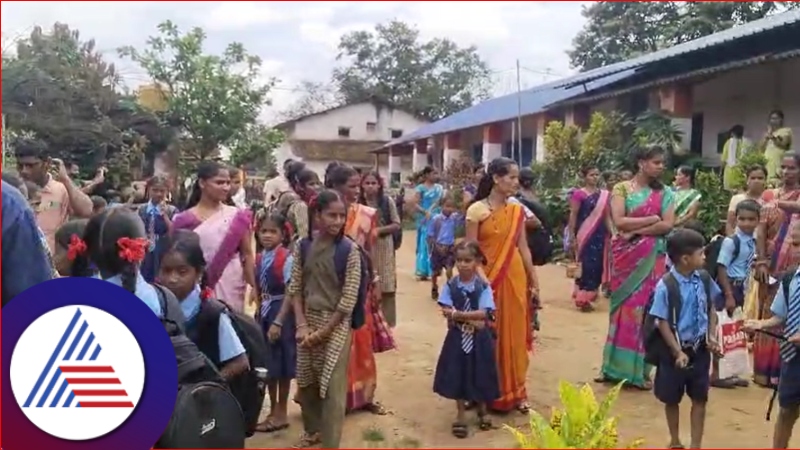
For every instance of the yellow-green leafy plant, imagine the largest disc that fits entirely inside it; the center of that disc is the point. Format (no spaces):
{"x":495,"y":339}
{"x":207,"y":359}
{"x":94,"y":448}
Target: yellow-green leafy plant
{"x":581,"y":422}
{"x":749,"y":159}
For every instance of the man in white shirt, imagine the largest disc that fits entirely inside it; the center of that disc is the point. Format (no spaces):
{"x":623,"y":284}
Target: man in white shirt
{"x":277,"y":184}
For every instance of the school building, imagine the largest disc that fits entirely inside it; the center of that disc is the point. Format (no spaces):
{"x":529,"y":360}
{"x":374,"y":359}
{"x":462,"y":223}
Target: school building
{"x":707,"y":85}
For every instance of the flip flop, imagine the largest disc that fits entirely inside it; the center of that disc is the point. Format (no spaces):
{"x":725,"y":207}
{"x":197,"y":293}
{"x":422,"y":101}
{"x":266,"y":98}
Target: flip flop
{"x":484,"y":423}
{"x":269,"y":427}
{"x":308,"y":440}
{"x":460,"y":430}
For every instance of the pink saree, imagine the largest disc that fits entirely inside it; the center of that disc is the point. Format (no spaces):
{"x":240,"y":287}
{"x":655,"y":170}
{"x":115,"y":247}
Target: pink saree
{"x":590,"y":242}
{"x":220,"y":237}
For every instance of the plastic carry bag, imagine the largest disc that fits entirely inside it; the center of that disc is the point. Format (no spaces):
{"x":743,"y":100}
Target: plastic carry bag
{"x":733,"y":342}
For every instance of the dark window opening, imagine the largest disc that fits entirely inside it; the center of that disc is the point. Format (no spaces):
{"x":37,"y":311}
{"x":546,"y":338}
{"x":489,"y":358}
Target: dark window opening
{"x":344,"y":132}
{"x":396,"y":133}
{"x":371,"y":126}
{"x":696,"y":138}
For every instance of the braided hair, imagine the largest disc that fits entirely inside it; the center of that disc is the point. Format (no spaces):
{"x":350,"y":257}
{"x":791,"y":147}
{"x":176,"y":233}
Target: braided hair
{"x":498,"y":167}
{"x":106,"y":237}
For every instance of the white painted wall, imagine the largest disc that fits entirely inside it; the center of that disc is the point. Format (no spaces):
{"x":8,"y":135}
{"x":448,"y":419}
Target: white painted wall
{"x":326,"y":126}
{"x":746,"y":97}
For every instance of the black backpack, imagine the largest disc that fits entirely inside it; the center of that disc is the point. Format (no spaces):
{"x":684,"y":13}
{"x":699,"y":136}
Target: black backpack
{"x":249,"y":388}
{"x":206,"y":413}
{"x":386,"y":212}
{"x":655,"y":348}
{"x":712,"y":252}
{"x":540,"y":240}
{"x":340,"y":255}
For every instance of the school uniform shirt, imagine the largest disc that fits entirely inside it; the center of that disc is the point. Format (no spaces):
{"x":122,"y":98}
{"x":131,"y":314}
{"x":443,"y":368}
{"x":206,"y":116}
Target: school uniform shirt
{"x":144,"y":290}
{"x":229,"y":344}
{"x":24,"y":260}
{"x":442,"y":229}
{"x":789,"y":311}
{"x":693,"y":318}
{"x":739,"y":268}
{"x":485,"y":301}
{"x":268,"y":257}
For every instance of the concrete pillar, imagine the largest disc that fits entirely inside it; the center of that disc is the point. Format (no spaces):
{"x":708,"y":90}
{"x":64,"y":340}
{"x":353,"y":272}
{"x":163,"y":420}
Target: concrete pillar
{"x":492,"y":143}
{"x":578,"y":115}
{"x":676,"y":100}
{"x":541,"y":126}
{"x":420,"y":159}
{"x":452,"y":149}
{"x":395,"y":163}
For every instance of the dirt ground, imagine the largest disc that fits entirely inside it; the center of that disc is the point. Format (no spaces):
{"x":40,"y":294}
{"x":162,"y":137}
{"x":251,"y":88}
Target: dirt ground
{"x":569,"y":347}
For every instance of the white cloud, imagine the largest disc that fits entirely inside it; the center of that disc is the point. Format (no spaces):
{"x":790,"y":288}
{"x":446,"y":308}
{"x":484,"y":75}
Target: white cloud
{"x":298,"y":40}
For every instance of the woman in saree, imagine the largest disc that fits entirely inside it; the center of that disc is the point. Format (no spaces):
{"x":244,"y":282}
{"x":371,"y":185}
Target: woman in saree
{"x":225,"y":234}
{"x":427,"y":197}
{"x":734,"y":149}
{"x":375,"y":335}
{"x":497,"y":225}
{"x":588,"y":232}
{"x":777,"y":141}
{"x":643,"y":212}
{"x":775,"y":256}
{"x":687,"y":198}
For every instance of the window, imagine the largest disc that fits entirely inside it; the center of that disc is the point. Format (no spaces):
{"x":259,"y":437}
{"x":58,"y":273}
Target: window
{"x":344,"y":132}
{"x":396,"y":133}
{"x":696,"y":136}
{"x":371,"y":127}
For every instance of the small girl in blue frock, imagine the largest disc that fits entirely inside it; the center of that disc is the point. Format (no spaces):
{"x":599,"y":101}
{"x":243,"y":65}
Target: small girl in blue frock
{"x":273,"y":271}
{"x":467,"y":369}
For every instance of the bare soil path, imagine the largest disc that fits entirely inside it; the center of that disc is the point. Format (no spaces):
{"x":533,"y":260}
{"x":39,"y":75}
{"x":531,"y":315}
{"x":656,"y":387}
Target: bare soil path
{"x":569,"y":347}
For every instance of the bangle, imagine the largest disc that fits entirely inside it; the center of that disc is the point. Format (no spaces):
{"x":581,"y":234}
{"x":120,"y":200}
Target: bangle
{"x":302,"y":325}
{"x":277,"y":323}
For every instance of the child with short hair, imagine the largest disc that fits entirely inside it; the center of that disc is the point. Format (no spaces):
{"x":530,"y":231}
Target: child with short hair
{"x":441,"y":240}
{"x":734,"y":262}
{"x":786,"y":313}
{"x":467,"y":369}
{"x":273,"y":271}
{"x":689,"y":336}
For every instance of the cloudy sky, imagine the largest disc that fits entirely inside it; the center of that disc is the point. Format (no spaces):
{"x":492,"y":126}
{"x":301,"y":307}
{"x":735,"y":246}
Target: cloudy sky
{"x":297,"y":40}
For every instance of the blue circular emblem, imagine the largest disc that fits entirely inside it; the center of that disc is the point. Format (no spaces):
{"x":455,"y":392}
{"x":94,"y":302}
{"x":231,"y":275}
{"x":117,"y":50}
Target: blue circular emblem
{"x":86,"y":366}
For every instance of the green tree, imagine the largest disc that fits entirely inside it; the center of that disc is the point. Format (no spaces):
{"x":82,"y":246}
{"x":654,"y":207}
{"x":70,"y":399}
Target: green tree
{"x":616,"y":31}
{"x":431,"y":79}
{"x":248,"y":147}
{"x":314,"y":98}
{"x":58,"y":89}
{"x":212,"y":99}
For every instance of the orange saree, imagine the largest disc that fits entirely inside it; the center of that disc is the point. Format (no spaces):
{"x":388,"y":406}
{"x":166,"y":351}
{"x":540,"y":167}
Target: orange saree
{"x":362,"y":374}
{"x":498,"y":232}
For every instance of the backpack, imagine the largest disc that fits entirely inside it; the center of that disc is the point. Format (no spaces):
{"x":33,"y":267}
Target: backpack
{"x":713,"y":249}
{"x":540,"y":239}
{"x":397,"y":236}
{"x":656,"y":350}
{"x":340,"y":255}
{"x":249,"y":387}
{"x":206,"y":413}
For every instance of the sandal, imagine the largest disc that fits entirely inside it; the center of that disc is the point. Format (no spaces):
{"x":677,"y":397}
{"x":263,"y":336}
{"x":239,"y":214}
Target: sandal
{"x":435,"y":293}
{"x":268,"y":426}
{"x":308,"y":440}
{"x":524,"y":408}
{"x":676,"y":446}
{"x":460,"y":430}
{"x":484,"y":423}
{"x":376,"y":408}
{"x":723,"y":383}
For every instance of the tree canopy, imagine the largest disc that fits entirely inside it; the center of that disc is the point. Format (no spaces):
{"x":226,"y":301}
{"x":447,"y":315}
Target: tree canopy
{"x":58,"y":89}
{"x":214,"y":100}
{"x":392,"y":64}
{"x":616,"y":31}
{"x":314,"y":97}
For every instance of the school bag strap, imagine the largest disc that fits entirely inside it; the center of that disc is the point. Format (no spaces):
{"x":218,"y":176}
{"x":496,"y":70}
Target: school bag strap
{"x":786,"y":283}
{"x":737,"y":246}
{"x":674,"y":301}
{"x":207,"y":336}
{"x":171,"y":312}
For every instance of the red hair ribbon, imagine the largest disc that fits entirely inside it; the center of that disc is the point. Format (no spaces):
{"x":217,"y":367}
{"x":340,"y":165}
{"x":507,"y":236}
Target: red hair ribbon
{"x":132,"y":250}
{"x":76,"y":247}
{"x":206,"y":293}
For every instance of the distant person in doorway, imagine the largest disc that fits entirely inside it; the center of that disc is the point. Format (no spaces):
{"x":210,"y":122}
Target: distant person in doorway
{"x":777,"y":141}
{"x":735,"y":147}
{"x":277,"y":183}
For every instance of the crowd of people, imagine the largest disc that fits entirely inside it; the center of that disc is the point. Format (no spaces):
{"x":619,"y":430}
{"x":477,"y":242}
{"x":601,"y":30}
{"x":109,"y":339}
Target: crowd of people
{"x":317,"y":262}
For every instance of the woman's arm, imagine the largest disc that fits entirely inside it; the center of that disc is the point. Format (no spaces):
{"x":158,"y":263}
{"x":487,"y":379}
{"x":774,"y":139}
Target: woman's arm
{"x":783,"y":140}
{"x":662,"y":227}
{"x":791,"y":207}
{"x":690,"y":214}
{"x":572,"y":223}
{"x":394,"y":225}
{"x":626,"y":224}
{"x":609,"y":223}
{"x":248,"y":258}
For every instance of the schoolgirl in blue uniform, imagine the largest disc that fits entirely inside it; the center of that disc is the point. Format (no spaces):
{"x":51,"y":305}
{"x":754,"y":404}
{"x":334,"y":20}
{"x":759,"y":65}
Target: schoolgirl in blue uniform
{"x":182,"y":271}
{"x":467,"y":368}
{"x":274,"y":313}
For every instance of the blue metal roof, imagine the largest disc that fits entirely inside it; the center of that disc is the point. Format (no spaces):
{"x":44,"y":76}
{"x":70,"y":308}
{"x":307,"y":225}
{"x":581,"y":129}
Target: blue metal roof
{"x":537,"y":99}
{"x":731,"y":34}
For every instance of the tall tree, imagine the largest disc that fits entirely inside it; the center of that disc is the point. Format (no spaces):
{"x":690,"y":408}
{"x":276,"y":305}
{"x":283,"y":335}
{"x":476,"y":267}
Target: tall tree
{"x":213,"y":99}
{"x":57,"y":88}
{"x":314,"y":97}
{"x":616,"y":31}
{"x":431,"y":79}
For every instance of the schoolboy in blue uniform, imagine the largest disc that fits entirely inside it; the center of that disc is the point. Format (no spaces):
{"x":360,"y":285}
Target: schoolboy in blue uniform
{"x":689,"y":340}
{"x":786,"y":313}
{"x":733,"y":270}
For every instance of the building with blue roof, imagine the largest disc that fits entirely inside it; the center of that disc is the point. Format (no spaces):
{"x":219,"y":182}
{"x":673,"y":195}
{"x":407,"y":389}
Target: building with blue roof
{"x":707,"y":85}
